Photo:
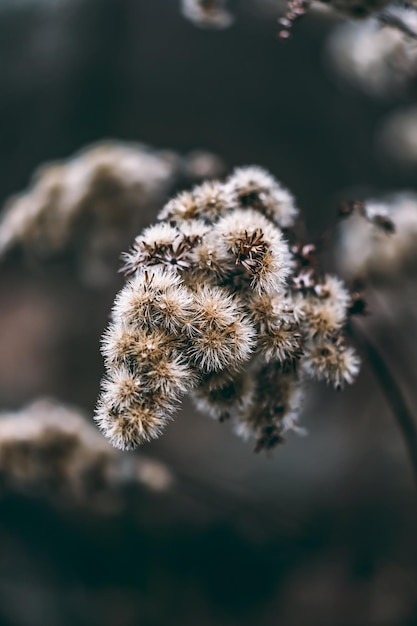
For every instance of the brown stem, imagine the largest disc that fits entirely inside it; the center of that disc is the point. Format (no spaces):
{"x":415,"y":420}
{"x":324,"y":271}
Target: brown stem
{"x":391,"y":391}
{"x":295,"y":11}
{"x":395,"y":21}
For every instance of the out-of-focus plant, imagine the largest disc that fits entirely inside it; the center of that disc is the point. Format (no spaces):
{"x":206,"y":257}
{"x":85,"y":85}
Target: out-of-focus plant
{"x":378,"y":239}
{"x":88,"y":207}
{"x":52,"y":450}
{"x":380,"y":60}
{"x":214,"y":14}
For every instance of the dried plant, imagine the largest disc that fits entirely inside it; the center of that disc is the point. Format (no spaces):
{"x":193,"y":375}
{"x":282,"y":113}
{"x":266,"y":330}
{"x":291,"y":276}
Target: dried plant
{"x":378,"y":239}
{"x":207,"y":13}
{"x":219,"y":303}
{"x":380,"y":60}
{"x":87,"y":207}
{"x":400,"y":16}
{"x":50,"y":449}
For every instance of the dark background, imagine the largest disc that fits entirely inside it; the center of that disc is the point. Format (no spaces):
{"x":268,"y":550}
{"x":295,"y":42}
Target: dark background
{"x":322,"y":533}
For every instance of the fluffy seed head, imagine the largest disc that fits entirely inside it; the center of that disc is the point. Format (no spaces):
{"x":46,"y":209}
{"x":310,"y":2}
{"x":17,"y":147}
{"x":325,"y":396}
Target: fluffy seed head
{"x":280,"y":343}
{"x":332,"y":362}
{"x":183,"y":207}
{"x":249,"y":242}
{"x":213,"y":200}
{"x":153,"y":297}
{"x":325,"y":307}
{"x":276,"y":407}
{"x":221,"y":335}
{"x":170,"y":377}
{"x":225,"y":395}
{"x":256,"y":189}
{"x":121,"y":389}
{"x":150,"y":247}
{"x":129,"y":428}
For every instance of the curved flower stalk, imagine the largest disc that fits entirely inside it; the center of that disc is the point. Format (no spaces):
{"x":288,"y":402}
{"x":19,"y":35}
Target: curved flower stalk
{"x":222,"y":302}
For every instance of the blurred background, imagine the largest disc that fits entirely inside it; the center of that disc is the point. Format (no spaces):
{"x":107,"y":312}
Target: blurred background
{"x":322,"y":532}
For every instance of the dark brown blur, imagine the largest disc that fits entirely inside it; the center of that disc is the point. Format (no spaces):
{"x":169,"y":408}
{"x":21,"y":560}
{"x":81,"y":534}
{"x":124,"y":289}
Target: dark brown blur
{"x":322,"y":532}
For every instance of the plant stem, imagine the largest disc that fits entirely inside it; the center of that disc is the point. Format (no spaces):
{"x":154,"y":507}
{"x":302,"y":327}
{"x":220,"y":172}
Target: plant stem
{"x":391,"y":391}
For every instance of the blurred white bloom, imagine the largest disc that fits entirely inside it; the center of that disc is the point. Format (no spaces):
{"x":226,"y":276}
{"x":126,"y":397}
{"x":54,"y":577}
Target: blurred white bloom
{"x":367,"y":251}
{"x":88,"y":206}
{"x":207,"y":13}
{"x":377,"y":59}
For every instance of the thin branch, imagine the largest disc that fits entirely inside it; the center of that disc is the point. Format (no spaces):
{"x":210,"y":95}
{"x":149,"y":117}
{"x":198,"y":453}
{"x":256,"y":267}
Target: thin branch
{"x":388,"y":18}
{"x":391,"y":391}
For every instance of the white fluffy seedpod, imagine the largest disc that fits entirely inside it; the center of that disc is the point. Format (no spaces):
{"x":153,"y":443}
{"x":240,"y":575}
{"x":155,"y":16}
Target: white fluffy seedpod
{"x":257,"y":189}
{"x":182,"y":207}
{"x":249,"y":242}
{"x":168,"y":379}
{"x":213,"y":199}
{"x":207,"y":266}
{"x":122,"y":389}
{"x":280,"y":343}
{"x":193,"y":229}
{"x":221,"y":335}
{"x":277,"y":323}
{"x":129,"y":428}
{"x":275,"y":409}
{"x":138,"y":399}
{"x":135,"y":348}
{"x":225,"y":395}
{"x":325,"y":310}
{"x":154,"y":297}
{"x":269,"y":309}
{"x":207,"y":13}
{"x":331,"y":361}
{"x":149,"y":247}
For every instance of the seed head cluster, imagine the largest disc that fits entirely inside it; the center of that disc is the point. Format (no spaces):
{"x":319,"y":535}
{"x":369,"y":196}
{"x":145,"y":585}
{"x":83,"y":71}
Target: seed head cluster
{"x":84,"y":209}
{"x":219,"y":304}
{"x":50,"y":449}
